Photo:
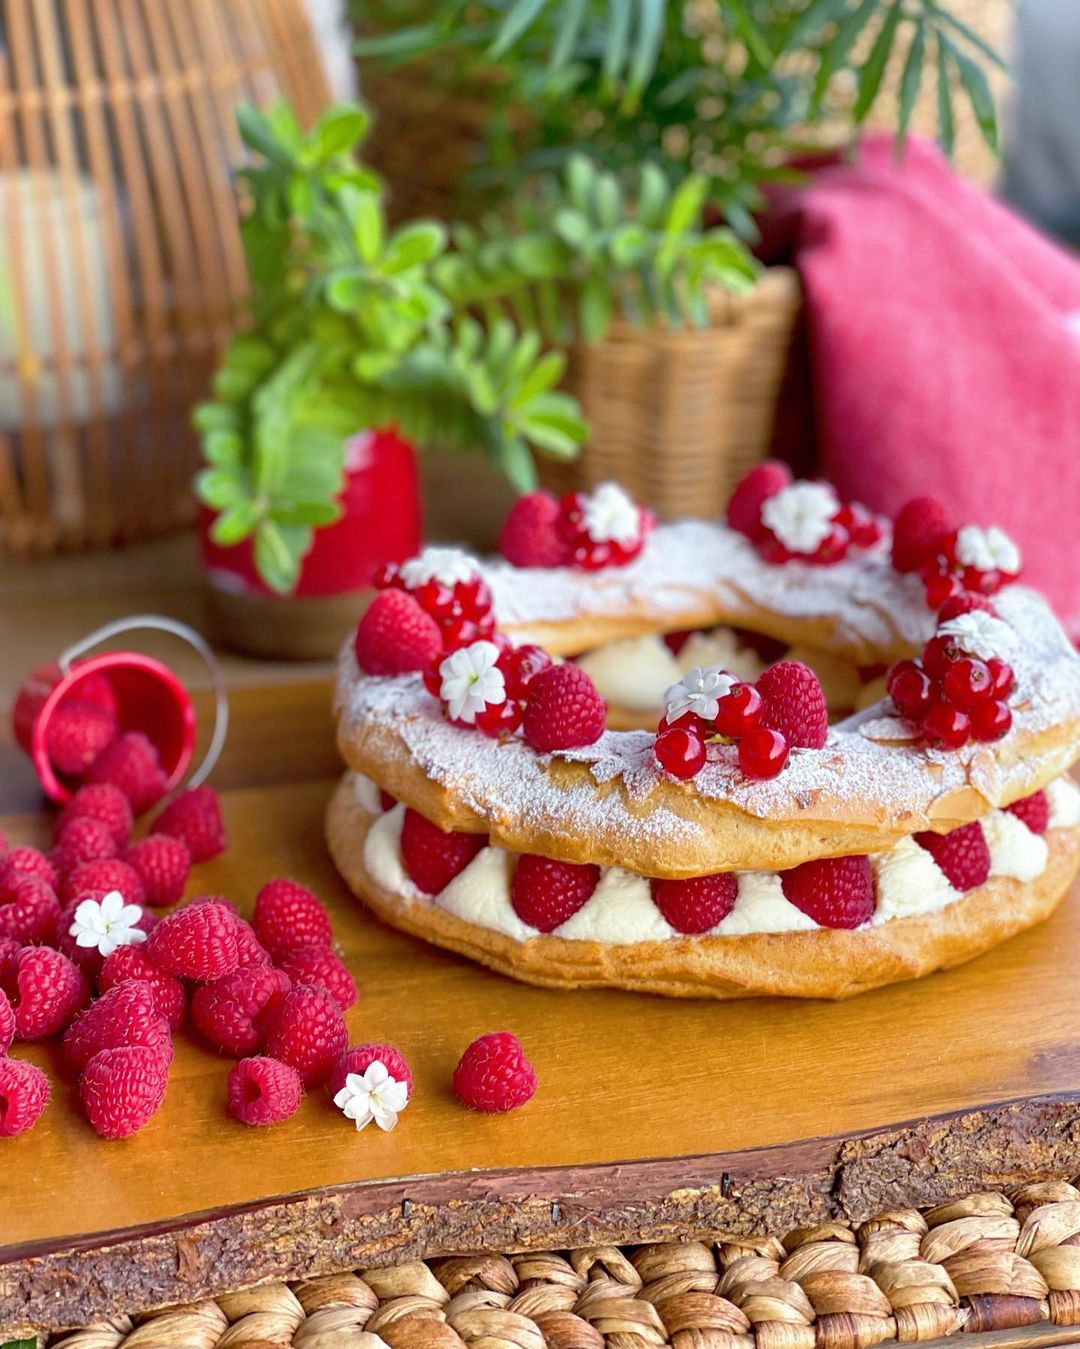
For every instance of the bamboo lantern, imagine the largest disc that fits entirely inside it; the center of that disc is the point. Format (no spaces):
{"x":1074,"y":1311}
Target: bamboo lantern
{"x":121,"y":269}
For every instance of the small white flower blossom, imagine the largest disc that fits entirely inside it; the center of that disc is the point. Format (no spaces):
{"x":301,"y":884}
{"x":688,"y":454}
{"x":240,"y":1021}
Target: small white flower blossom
{"x":471,"y":680}
{"x":980,"y":634}
{"x":987,"y":549}
{"x":107,"y":924}
{"x":801,"y":515}
{"x":699,"y":691}
{"x":372,"y":1095}
{"x":610,"y":516}
{"x":445,"y":565}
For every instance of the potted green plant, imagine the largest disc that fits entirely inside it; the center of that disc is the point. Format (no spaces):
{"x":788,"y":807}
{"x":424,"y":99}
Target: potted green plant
{"x":441,"y":337}
{"x":729,"y":89}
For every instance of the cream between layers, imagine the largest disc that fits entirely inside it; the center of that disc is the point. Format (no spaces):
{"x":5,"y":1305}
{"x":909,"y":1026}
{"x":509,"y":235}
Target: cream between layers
{"x":620,"y":911}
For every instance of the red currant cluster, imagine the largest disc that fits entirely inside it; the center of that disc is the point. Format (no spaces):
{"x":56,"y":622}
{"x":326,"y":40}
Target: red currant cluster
{"x":951,"y":695}
{"x":947,"y":578}
{"x":849,"y":525}
{"x":680,"y":745}
{"x":520,"y":665}
{"x":593,"y":554}
{"x":461,"y":610}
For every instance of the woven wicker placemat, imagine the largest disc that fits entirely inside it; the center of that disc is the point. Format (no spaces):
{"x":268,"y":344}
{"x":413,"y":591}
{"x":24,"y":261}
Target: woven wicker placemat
{"x":987,"y":1262}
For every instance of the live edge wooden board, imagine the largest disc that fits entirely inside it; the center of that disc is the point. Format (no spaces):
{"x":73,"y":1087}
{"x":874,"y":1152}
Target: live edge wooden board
{"x":654,"y":1120}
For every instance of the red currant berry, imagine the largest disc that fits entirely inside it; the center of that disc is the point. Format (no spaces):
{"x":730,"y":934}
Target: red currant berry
{"x":689,"y":721}
{"x":474,"y":596}
{"x":591,"y":556}
{"x":622,"y":553}
{"x":739,"y":712}
{"x":458,"y":632}
{"x":433,"y":677}
{"x":386,"y":800}
{"x":946,"y":727}
{"x":520,"y":666}
{"x":386,"y":576}
{"x":938,"y":654}
{"x":1001,"y":676}
{"x":864,"y":529}
{"x":944,"y":586}
{"x":773,"y":551}
{"x":967,"y":683}
{"x":762,"y":753}
{"x":832,"y":548}
{"x":964,"y":603}
{"x":991,"y":720}
{"x":485,"y":626}
{"x":947,"y":548}
{"x":680,"y":753}
{"x":435,"y":599}
{"x":571,"y":513}
{"x":500,"y":718}
{"x":911,"y":689}
{"x":675,"y":641}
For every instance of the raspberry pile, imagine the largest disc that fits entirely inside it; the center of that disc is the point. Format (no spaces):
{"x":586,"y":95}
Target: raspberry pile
{"x":785,"y":709}
{"x":958,"y":689}
{"x":588,"y":530}
{"x":959,"y":567}
{"x":805,"y":521}
{"x":449,"y":589}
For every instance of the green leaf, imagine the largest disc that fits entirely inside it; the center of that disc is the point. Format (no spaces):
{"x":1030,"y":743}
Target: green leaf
{"x":835,"y":52}
{"x":687,"y":204}
{"x":595,"y":308}
{"x":21,"y":1344}
{"x":219,"y":490}
{"x":519,"y":17}
{"x":653,"y":196}
{"x":400,"y":45}
{"x":568,"y":28}
{"x":650,"y":34}
{"x":368,"y":224}
{"x":414,"y":245}
{"x":811,"y":21}
{"x":629,"y":245}
{"x":871,"y":74}
{"x":537,"y":256}
{"x":911,"y":82}
{"x":946,"y":128}
{"x":544,"y":375}
{"x":259,"y":135}
{"x":516,"y":462}
{"x":573,"y":228}
{"x":978,"y":91}
{"x":580,"y":182}
{"x":307,"y":513}
{"x":750,"y":33}
{"x":339,"y":129}
{"x":237,"y":523}
{"x":279,"y":550}
{"x":618,"y":41}
{"x":966,"y":31}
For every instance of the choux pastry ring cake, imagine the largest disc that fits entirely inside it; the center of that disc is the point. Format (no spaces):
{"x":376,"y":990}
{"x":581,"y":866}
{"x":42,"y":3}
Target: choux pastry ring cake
{"x":802,"y":751}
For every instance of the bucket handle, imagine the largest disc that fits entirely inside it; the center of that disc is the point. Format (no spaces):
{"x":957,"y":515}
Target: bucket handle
{"x":159,"y":623}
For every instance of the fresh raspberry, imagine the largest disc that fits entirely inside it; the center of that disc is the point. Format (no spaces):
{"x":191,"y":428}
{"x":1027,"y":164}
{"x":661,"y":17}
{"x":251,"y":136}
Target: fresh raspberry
{"x":108,"y":873}
{"x":77,"y":733}
{"x":320,"y":966}
{"x":964,"y":603}
{"x":101,"y":801}
{"x":494,"y":1075}
{"x":360,"y":1058}
{"x":46,"y":991}
{"x":545,"y":893}
{"x":9,"y":960}
{"x":97,"y":688}
{"x":431,"y":856}
{"x":89,"y":958}
{"x":29,"y":910}
{"x":232,"y":1013}
{"x":920,"y":527}
{"x":131,"y":963}
{"x":131,"y":763}
{"x":195,"y":818}
{"x":1034,"y":810}
{"x":249,"y":949}
{"x":794,"y":704}
{"x":288,"y":916}
{"x":122,"y":1089}
{"x":162,"y":863}
{"x":264,"y":1091}
{"x":763,"y":481}
{"x":307,"y":1032}
{"x":7,"y":1023}
{"x":833,"y":891}
{"x":697,"y":904}
{"x":83,"y":839}
{"x":3,"y":843}
{"x":962,"y":855}
{"x":395,"y":635}
{"x":28,"y":861}
{"x":24,"y":1094}
{"x":126,"y":1015}
{"x":530,"y":535}
{"x":564,"y":710}
{"x":197,"y":941}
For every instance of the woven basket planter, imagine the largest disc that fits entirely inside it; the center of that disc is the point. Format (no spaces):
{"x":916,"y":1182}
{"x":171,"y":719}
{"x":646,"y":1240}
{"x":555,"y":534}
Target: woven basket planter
{"x":677,"y":416}
{"x":121,"y":268}
{"x":989,"y":1262}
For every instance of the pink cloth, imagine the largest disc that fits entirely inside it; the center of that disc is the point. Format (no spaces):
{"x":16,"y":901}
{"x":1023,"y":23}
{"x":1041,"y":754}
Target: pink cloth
{"x":941,"y":354}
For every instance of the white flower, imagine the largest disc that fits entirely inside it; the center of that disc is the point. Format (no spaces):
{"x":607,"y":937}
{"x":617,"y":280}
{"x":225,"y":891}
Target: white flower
{"x":801,"y":515}
{"x":471,"y":680}
{"x":610,"y":516}
{"x":445,"y":565}
{"x":699,"y":691}
{"x":987,"y":549}
{"x":372,"y":1095}
{"x":105,"y":925}
{"x":980,"y":634}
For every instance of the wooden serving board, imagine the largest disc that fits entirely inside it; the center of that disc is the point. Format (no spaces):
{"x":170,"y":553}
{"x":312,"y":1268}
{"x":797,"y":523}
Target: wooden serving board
{"x":654,"y":1119}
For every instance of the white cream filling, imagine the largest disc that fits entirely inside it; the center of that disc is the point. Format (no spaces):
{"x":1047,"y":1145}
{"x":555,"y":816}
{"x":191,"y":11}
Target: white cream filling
{"x":620,"y":909}
{"x":633,"y":671}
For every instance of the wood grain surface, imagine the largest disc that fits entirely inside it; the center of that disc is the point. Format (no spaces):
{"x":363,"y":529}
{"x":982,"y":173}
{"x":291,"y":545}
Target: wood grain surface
{"x":984,"y":1059}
